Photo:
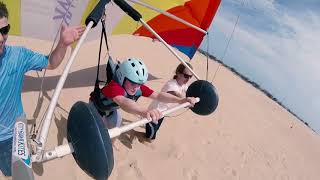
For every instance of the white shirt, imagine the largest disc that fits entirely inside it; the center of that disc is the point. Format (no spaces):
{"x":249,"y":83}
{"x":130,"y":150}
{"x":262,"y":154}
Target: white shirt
{"x":171,"y":85}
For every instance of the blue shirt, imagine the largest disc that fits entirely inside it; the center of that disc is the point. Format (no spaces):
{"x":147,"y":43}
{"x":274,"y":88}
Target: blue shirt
{"x":15,"y":61}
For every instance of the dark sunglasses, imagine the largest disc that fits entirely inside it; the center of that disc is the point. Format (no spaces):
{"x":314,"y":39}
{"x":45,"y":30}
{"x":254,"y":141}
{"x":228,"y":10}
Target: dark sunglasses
{"x":187,"y":76}
{"x":5,"y":30}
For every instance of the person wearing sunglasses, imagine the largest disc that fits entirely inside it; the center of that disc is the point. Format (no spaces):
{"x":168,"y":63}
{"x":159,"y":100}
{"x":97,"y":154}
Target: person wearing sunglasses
{"x":126,"y":88}
{"x":177,"y":86}
{"x":15,"y":61}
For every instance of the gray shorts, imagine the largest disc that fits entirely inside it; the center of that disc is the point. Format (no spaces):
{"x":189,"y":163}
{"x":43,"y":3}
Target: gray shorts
{"x":112,"y":119}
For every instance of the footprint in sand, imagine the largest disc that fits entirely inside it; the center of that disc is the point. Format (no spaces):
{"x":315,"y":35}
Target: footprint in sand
{"x":130,"y":171}
{"x":174,"y":152}
{"x":150,"y":145}
{"x":230,"y":171}
{"x":190,"y":174}
{"x":134,"y":165}
{"x":206,"y":142}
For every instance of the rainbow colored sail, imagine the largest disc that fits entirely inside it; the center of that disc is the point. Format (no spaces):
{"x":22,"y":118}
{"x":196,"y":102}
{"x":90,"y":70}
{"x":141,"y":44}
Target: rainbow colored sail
{"x":41,"y":19}
{"x":186,"y":39}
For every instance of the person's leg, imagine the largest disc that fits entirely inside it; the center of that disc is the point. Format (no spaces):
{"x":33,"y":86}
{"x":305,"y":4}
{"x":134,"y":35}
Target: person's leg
{"x":152,"y":128}
{"x":5,"y":156}
{"x":118,"y":117}
{"x":113,"y":119}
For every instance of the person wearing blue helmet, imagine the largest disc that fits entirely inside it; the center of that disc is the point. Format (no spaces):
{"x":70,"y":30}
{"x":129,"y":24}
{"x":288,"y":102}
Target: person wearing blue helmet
{"x":126,"y":88}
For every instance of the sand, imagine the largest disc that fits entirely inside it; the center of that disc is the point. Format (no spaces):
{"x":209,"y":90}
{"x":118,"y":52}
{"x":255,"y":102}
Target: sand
{"x":248,"y":137}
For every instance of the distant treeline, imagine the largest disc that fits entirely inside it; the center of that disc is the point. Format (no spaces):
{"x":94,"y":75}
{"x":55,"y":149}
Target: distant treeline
{"x":254,"y":85}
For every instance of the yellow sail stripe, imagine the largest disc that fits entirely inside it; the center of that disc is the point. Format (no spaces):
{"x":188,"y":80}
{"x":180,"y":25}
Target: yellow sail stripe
{"x":14,"y":8}
{"x":127,"y":25}
{"x":90,"y":6}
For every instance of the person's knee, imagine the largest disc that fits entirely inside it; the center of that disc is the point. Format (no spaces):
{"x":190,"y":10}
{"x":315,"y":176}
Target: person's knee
{"x":112,"y":120}
{"x":119,"y":119}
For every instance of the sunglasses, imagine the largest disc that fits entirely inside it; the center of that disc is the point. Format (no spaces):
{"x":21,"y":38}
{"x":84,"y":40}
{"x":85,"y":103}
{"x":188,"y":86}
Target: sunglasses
{"x":187,"y":76}
{"x":5,"y":30}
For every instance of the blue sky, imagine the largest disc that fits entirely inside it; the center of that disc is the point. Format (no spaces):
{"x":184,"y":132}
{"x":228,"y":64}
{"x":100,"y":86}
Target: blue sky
{"x":276,"y":43}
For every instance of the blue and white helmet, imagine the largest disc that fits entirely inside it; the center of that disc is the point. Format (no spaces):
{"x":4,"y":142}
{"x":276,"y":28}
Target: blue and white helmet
{"x":134,"y":70}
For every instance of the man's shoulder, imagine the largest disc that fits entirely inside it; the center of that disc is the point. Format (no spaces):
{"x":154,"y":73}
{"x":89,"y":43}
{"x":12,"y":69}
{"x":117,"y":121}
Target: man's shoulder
{"x":15,"y":50}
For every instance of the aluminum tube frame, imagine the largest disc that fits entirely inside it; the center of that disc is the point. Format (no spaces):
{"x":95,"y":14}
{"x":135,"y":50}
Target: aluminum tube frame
{"x":168,"y":15}
{"x":169,"y":47}
{"x":42,"y":138}
{"x":67,"y":149}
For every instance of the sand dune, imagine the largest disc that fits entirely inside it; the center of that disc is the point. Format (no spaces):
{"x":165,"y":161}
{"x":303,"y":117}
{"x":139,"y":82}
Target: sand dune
{"x":248,"y":137}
